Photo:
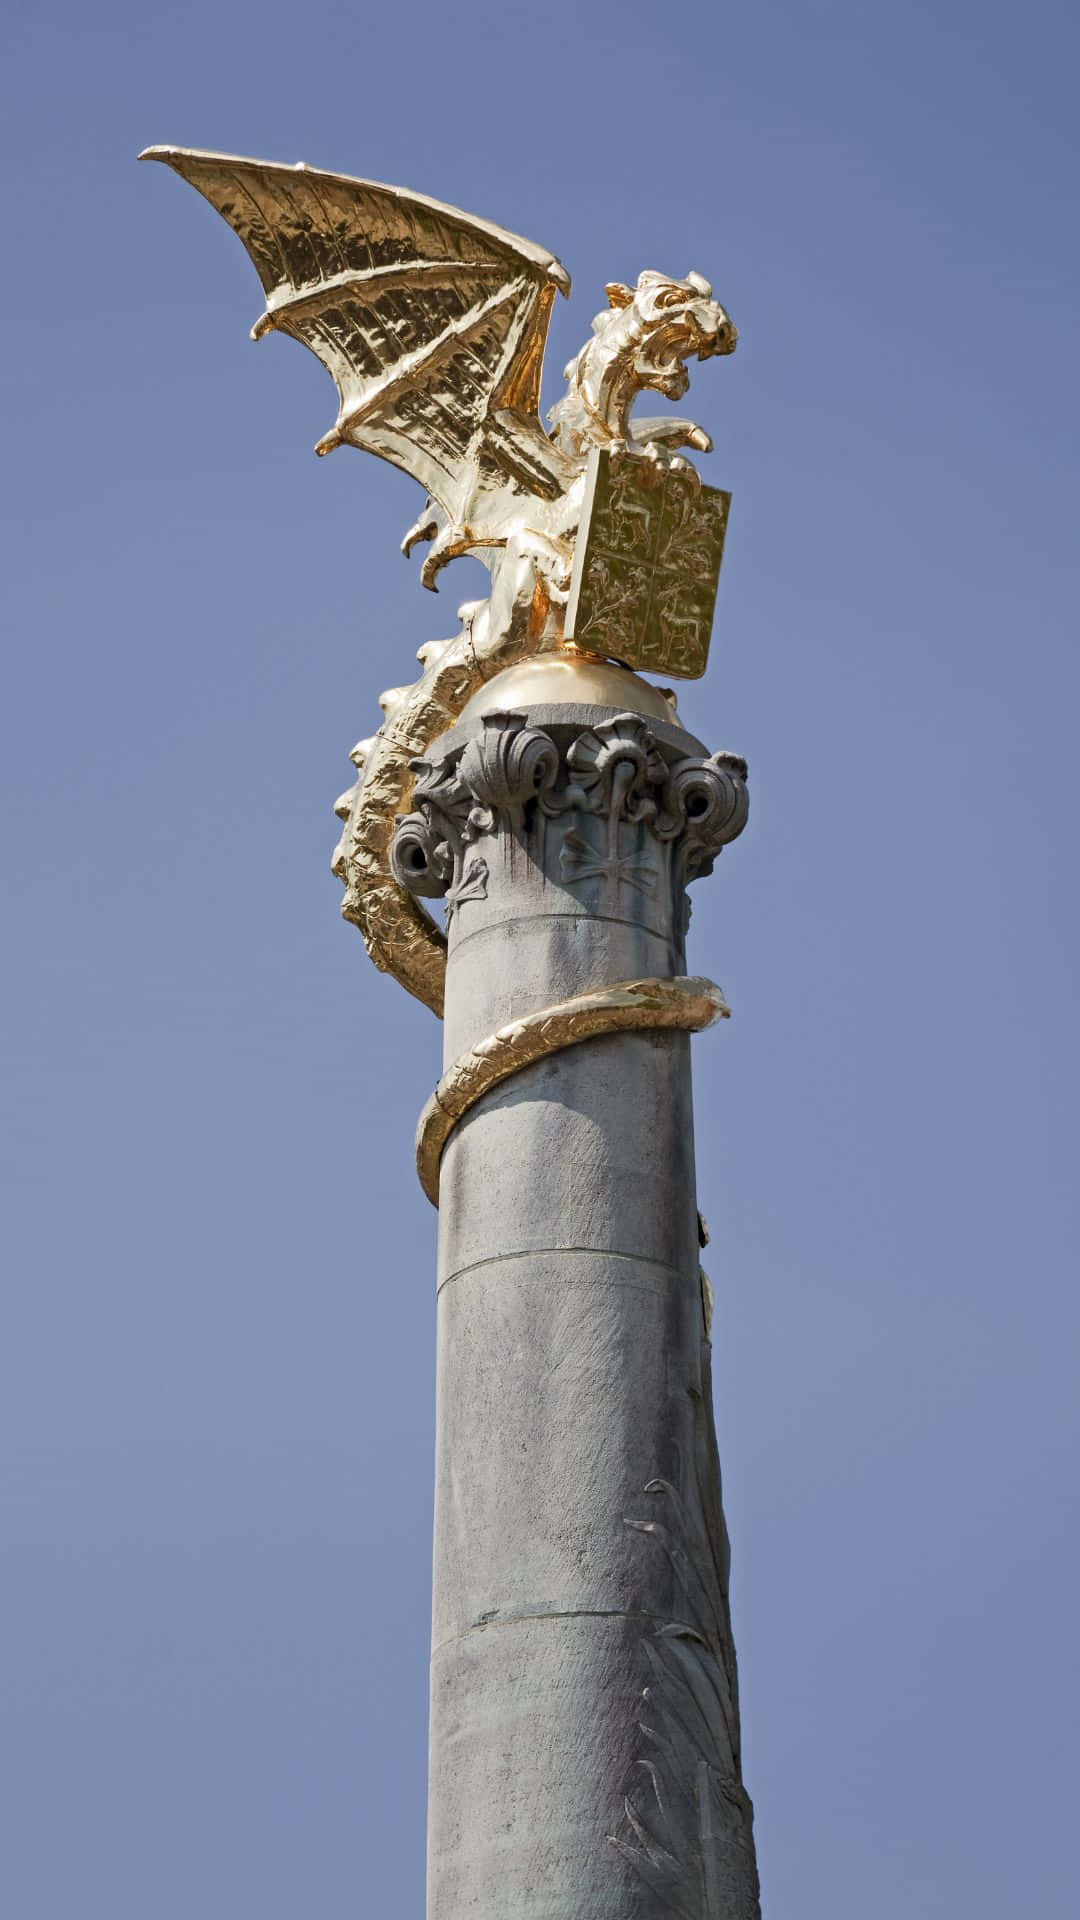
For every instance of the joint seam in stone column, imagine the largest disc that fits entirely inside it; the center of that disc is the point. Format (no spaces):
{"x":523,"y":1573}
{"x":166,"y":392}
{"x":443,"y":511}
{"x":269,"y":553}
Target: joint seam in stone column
{"x":532,"y":919}
{"x":540,"y":1253}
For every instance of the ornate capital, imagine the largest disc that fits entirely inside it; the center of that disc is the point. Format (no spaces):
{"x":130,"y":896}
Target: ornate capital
{"x":539,"y":790}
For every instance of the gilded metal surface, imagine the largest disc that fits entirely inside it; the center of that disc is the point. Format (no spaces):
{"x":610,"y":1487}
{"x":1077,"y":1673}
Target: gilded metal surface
{"x":433,"y":324}
{"x":633,"y":1005}
{"x":433,"y":327}
{"x":574,"y":677}
{"x":400,"y":936}
{"x":647,"y":564}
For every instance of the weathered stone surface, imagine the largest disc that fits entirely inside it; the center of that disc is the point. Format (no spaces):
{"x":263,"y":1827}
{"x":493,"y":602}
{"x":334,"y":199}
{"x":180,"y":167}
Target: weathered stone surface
{"x":591,"y":1148}
{"x":584,"y":1732}
{"x":516,"y":963}
{"x":590,"y":1364}
{"x":534,"y":1729}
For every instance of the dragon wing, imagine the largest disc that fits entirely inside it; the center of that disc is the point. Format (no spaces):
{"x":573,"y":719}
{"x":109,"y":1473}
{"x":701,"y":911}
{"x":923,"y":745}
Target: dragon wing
{"x":431,"y":322}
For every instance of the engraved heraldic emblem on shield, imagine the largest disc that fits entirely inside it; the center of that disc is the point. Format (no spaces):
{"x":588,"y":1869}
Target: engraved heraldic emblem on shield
{"x":647,"y":565}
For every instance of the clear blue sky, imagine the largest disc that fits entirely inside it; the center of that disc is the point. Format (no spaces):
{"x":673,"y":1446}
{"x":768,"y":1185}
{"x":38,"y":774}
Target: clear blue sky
{"x":217,"y":1405}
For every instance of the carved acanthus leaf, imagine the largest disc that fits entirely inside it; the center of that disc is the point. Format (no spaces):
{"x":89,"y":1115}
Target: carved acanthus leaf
{"x":508,"y":762}
{"x":615,"y":766}
{"x":472,"y":885}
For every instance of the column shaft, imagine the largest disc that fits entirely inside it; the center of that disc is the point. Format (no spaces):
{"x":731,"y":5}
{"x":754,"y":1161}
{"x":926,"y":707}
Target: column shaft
{"x":584,"y":1760}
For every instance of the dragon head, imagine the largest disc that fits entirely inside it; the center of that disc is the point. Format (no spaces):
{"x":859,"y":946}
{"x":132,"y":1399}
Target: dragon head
{"x":668,"y":321}
{"x":641,"y":340}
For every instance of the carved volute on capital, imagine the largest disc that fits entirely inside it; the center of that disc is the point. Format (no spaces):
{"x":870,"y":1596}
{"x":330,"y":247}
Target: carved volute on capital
{"x":706,"y":802}
{"x":668,"y":814}
{"x":503,"y":767}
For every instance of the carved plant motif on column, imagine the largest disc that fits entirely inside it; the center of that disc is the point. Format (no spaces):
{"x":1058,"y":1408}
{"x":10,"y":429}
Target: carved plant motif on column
{"x":617,"y":769}
{"x":688,"y":1819}
{"x":458,"y":801}
{"x":471,"y":886}
{"x":507,"y":764}
{"x":614,"y":769}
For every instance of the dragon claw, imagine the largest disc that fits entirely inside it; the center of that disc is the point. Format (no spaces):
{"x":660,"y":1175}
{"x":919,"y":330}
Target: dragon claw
{"x":679,"y":465}
{"x":424,"y":527}
{"x":663,"y":461}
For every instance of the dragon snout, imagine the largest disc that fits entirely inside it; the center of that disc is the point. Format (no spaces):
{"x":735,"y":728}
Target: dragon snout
{"x":720,"y":336}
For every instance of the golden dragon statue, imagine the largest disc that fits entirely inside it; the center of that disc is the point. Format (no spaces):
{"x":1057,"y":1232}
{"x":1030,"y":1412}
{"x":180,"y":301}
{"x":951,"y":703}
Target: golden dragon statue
{"x":433,"y":325}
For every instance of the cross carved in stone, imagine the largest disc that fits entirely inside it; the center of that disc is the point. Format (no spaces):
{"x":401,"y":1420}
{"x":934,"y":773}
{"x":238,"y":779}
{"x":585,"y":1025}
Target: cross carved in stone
{"x":580,"y":861}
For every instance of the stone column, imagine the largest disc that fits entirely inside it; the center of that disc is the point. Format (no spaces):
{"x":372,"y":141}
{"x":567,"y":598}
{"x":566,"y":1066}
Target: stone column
{"x":584,"y":1760}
